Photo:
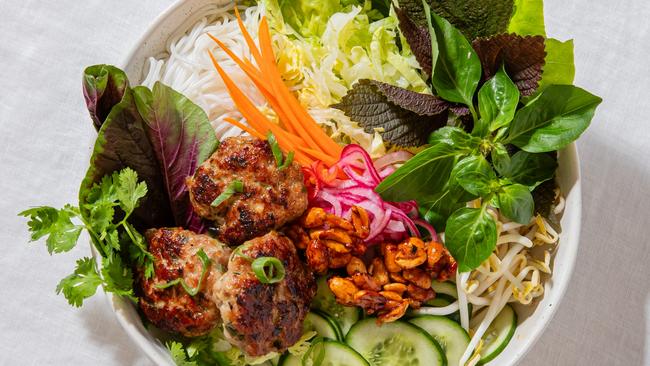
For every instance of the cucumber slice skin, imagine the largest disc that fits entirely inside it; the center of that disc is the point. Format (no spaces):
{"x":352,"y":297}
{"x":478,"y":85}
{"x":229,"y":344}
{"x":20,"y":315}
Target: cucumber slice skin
{"x":506,"y":318}
{"x":449,"y":334}
{"x":322,"y":324}
{"x":288,"y":359}
{"x":335,"y":354}
{"x":324,"y":301}
{"x":446,"y":288}
{"x":366,"y":335}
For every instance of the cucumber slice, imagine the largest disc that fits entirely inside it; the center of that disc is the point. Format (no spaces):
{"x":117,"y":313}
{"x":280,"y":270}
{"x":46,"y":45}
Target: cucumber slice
{"x":447,"y":288}
{"x":345,"y":316}
{"x":322,"y":324}
{"x":498,"y":334}
{"x":394,"y":344}
{"x":441,"y":300}
{"x":452,"y":337}
{"x":331,"y":353}
{"x":288,"y":359}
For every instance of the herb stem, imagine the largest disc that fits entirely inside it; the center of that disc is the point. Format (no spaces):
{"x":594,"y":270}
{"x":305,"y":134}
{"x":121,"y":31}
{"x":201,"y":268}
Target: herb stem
{"x":472,"y":110}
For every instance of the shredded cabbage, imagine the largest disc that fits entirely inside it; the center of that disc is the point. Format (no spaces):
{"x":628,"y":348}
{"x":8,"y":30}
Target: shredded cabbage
{"x":324,"y":47}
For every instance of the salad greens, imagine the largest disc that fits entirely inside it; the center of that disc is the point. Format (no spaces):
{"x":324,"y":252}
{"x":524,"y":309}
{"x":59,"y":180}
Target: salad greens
{"x":157,"y":136}
{"x":110,"y":204}
{"x":507,"y":150}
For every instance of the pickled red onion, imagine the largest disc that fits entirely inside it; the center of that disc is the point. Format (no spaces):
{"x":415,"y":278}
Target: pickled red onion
{"x":352,"y":181}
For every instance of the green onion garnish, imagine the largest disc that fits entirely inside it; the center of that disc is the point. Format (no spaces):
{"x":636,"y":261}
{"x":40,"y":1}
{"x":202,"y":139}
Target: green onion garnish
{"x":268,"y":269}
{"x":287,"y":161}
{"x":275,"y":148}
{"x":236,"y":186}
{"x":205,"y":260}
{"x":277,"y":153}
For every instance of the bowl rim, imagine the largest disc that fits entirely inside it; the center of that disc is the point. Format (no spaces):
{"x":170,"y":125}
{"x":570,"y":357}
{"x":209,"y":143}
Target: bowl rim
{"x":151,"y":346}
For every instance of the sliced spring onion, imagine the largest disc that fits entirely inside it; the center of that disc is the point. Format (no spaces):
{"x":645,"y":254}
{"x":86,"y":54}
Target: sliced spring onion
{"x":275,"y":148}
{"x":287,"y":161}
{"x":268,"y":269}
{"x":236,"y":186}
{"x":205,"y":261}
{"x":280,"y":161}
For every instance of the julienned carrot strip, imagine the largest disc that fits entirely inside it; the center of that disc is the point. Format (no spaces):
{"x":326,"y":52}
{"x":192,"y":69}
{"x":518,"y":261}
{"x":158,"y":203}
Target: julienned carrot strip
{"x":256,"y":76}
{"x":250,"y":70}
{"x":253,"y":116}
{"x":243,"y":127}
{"x":318,"y":155}
{"x":278,"y":85}
{"x":249,"y":40}
{"x":303,"y":118}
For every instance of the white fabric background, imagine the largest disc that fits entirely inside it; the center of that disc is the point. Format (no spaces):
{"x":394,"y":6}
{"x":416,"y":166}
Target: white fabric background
{"x":45,"y":136}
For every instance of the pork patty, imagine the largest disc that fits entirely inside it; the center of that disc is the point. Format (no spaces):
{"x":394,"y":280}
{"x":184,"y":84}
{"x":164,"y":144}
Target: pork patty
{"x":261,"y":318}
{"x":175,"y":256}
{"x":271,"y":196}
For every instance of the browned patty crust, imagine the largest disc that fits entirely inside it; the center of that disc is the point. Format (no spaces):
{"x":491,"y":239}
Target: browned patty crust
{"x":173,"y":309}
{"x":271,"y":196}
{"x":261,"y":318}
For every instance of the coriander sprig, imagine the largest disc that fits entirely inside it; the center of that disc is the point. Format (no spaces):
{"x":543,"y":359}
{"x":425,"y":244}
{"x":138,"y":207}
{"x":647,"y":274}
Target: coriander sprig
{"x":105,"y":214}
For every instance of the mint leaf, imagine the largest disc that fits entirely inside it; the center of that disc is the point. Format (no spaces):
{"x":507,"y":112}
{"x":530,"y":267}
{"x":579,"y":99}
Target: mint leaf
{"x":523,"y":58}
{"x":418,"y":38}
{"x":422,"y":175}
{"x":557,"y":117}
{"x":516,"y":203}
{"x":80,"y":285}
{"x":475,"y":18}
{"x":403,"y":117}
{"x":497,"y":103}
{"x":457,"y":68}
{"x":528,"y":18}
{"x":470,"y":236}
{"x":62,"y":234}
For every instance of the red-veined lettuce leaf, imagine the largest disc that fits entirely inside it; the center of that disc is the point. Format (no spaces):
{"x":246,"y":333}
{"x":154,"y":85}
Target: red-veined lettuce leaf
{"x":182,"y":138}
{"x":160,"y":134}
{"x":103,"y":88}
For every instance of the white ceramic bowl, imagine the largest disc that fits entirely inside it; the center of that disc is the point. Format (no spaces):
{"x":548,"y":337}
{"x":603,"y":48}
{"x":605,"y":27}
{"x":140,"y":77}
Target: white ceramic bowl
{"x":532,"y":320}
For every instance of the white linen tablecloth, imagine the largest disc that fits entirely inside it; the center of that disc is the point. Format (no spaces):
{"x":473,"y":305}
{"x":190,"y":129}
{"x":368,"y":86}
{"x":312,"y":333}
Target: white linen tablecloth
{"x":45,"y":136}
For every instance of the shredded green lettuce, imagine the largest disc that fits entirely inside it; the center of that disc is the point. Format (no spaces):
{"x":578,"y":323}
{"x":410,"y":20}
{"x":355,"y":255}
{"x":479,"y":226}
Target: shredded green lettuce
{"x":324,"y":47}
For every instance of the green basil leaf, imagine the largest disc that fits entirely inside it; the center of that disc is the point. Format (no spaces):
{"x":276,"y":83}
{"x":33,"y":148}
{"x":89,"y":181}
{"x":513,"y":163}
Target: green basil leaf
{"x":497,"y":103}
{"x":424,"y":174}
{"x":528,"y":169}
{"x":528,"y":18}
{"x":474,"y":174}
{"x":500,"y":157}
{"x":471,"y":236}
{"x":457,"y":69}
{"x":437,"y":208}
{"x":516,"y":203}
{"x":456,"y":137}
{"x":554,"y":119}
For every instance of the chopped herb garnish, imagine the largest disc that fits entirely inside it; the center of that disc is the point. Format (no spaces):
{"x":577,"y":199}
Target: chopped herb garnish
{"x":280,"y":161}
{"x":268,"y":269}
{"x":205,"y":260}
{"x":236,"y":186}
